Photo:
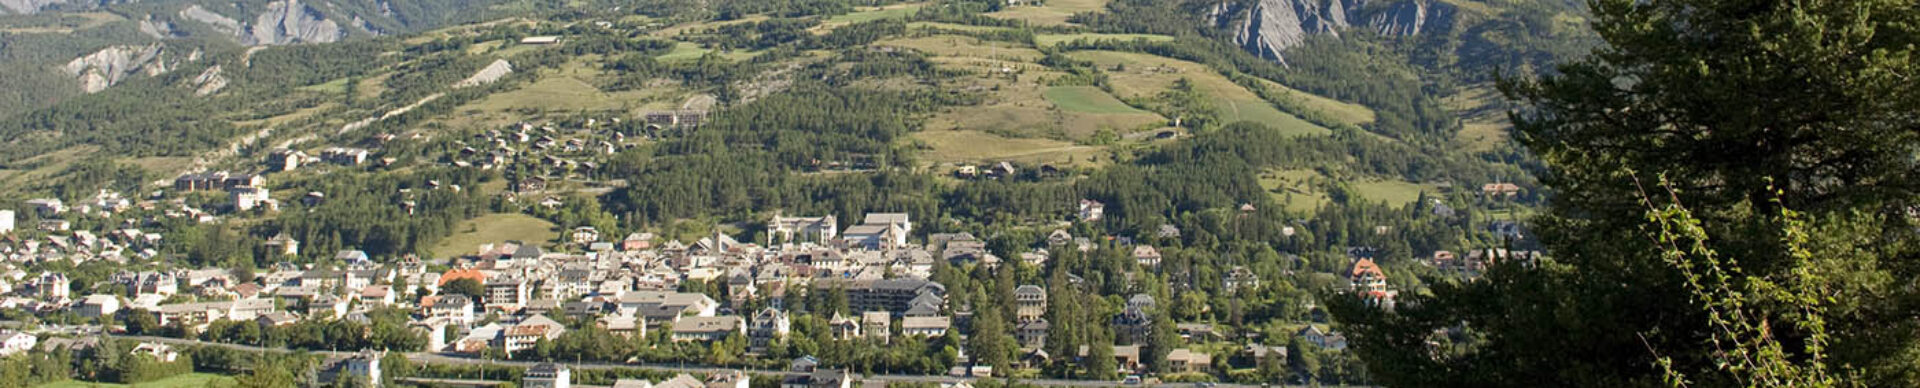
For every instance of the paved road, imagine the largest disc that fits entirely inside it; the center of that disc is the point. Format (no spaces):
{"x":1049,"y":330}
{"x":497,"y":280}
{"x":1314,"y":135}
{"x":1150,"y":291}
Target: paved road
{"x":435,"y":358}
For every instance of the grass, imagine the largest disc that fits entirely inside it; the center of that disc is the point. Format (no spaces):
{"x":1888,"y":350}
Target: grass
{"x":1343,"y":111}
{"x":966,"y":47}
{"x":956,"y":27}
{"x":1052,"y":13}
{"x":1049,"y":40}
{"x":1393,"y":192}
{"x":1087,"y":99}
{"x":495,"y":228}
{"x":898,"y":11}
{"x":1483,"y":118}
{"x":1146,"y":75}
{"x":974,"y":146}
{"x":190,"y":380}
{"x":163,"y":165}
{"x":1293,"y":189}
{"x":568,"y":89}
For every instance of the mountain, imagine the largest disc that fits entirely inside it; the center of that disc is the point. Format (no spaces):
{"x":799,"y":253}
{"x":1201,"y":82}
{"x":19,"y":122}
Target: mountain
{"x":1270,"y":27}
{"x":81,"y":47}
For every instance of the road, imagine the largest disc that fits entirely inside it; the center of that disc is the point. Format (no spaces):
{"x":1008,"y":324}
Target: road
{"x":435,"y":358}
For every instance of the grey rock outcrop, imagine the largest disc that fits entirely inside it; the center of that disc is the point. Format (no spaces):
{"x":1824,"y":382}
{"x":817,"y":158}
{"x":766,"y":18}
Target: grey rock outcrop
{"x":1269,"y":27}
{"x":28,"y":6}
{"x":283,"y":22}
{"x":114,"y":64}
{"x":493,"y":72}
{"x":209,"y":81}
{"x":288,"y":21}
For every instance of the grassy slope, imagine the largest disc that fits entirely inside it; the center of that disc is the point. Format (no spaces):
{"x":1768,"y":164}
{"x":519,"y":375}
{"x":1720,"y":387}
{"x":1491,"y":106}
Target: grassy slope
{"x":1049,"y":40}
{"x":1147,"y":75}
{"x":1087,"y":99}
{"x":495,"y":228}
{"x":1054,"y":13}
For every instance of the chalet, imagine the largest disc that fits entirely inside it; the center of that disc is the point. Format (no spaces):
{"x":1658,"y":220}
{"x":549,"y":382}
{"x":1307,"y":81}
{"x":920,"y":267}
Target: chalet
{"x":1185,"y":360}
{"x":1240,"y":277}
{"x":1499,"y":190}
{"x":158,"y":351}
{"x":1091,"y":210}
{"x":243,"y":181}
{"x":1147,"y":256}
{"x":530,"y":184}
{"x":585,"y":235}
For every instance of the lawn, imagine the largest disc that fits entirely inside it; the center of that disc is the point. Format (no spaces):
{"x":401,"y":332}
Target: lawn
{"x":1049,"y":40}
{"x":1087,"y":99}
{"x":493,"y":229}
{"x":1146,"y":75}
{"x":955,"y":27}
{"x":190,"y":380}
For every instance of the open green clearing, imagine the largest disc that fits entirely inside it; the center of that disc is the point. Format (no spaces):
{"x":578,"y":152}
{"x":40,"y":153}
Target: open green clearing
{"x":901,"y":11}
{"x":950,"y":146}
{"x":190,"y":380}
{"x":1054,"y":13}
{"x":1346,"y":112}
{"x":1087,"y":99}
{"x":492,"y":229}
{"x":1293,"y":189}
{"x":1393,"y":192}
{"x":1146,"y":75}
{"x":1049,"y":40}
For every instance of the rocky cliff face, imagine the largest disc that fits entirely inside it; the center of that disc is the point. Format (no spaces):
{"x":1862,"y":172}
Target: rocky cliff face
{"x":1269,"y":27}
{"x":111,"y":65}
{"x":28,"y":6}
{"x":283,"y":22}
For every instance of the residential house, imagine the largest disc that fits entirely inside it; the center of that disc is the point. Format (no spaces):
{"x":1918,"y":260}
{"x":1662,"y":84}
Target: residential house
{"x":1091,"y":210}
{"x":285,"y":159}
{"x":707,"y":329}
{"x":1031,"y":302}
{"x":1323,"y":338}
{"x":16,"y":342}
{"x":522,"y":336}
{"x":768,"y":325}
{"x":1032,"y":334}
{"x":585,"y":235}
{"x":844,"y":328}
{"x":925,"y":326}
{"x":1185,"y":360}
{"x":547,"y":375}
{"x":363,"y":367}
{"x":159,"y":351}
{"x":878,"y":325}
{"x":1147,"y":256}
{"x":818,"y":378}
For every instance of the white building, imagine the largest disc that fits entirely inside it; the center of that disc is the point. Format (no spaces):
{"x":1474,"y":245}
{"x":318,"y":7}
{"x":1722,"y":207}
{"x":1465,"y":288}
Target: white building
{"x":14,"y":342}
{"x":6,"y":221}
{"x":99,"y":305}
{"x":547,"y":375}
